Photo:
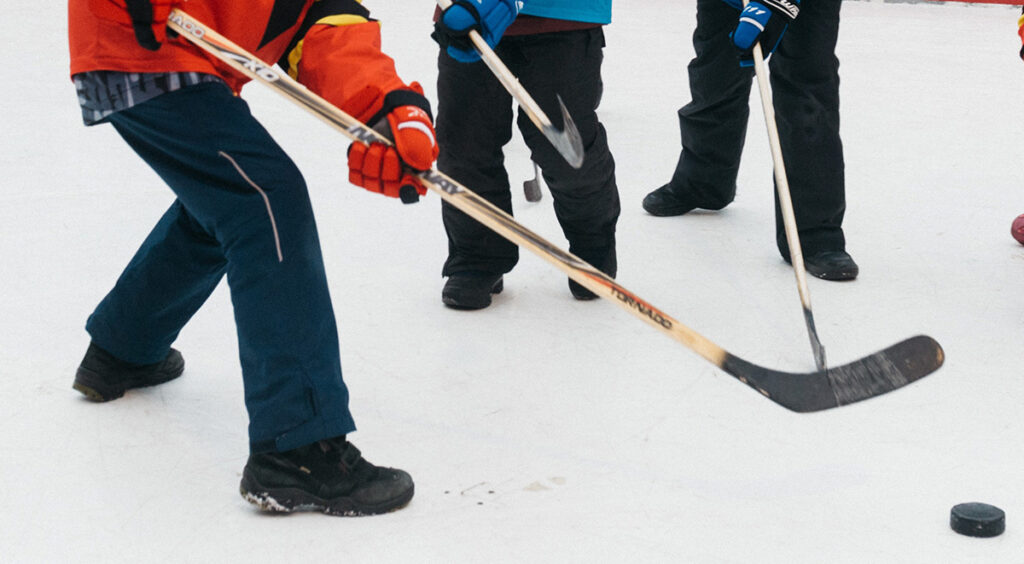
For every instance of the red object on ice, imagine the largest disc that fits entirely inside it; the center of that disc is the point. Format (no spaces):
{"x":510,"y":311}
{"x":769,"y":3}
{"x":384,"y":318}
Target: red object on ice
{"x":1017,"y":229}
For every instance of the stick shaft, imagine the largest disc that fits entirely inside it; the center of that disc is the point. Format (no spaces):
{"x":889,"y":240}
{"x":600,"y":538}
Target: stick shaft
{"x":505,"y":76}
{"x":871,"y":376}
{"x":786,"y":205}
{"x":567,"y":142}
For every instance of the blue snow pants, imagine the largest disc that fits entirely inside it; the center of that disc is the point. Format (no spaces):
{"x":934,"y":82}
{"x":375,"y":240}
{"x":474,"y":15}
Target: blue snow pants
{"x":242,"y":209}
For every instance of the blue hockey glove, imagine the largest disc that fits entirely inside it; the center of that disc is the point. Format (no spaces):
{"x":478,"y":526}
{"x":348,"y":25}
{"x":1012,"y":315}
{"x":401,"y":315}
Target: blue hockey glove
{"x":489,"y":17}
{"x":763,"y":21}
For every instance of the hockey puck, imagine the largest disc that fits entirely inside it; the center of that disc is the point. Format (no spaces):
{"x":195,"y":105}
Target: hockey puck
{"x":977,"y":520}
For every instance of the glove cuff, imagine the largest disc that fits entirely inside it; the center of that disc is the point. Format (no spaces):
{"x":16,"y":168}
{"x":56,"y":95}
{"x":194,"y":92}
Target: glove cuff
{"x":787,"y":8}
{"x":399,"y":98}
{"x":445,"y":39}
{"x":473,"y":13}
{"x":446,"y":36}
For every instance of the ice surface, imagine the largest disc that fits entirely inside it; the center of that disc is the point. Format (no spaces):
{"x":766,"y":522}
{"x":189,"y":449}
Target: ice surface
{"x":545,"y":429}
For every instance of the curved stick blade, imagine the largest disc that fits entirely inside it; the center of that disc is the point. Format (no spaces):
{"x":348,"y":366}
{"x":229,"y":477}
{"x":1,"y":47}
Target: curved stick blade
{"x":873,"y":375}
{"x":568,"y":141}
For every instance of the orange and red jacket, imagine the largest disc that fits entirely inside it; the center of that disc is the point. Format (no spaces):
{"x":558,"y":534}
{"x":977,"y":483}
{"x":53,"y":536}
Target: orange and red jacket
{"x":330,"y":46}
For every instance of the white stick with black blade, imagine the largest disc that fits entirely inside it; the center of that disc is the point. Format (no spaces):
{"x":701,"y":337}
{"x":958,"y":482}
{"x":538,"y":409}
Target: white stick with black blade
{"x":786,"y":204}
{"x":568,"y":142}
{"x":879,"y":373}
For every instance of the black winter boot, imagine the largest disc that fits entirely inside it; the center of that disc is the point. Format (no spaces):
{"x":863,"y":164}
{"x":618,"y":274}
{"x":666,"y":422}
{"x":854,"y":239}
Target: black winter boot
{"x":604,"y":260}
{"x":329,"y":476}
{"x":830,"y":265}
{"x":471,"y":289}
{"x":102,"y":377}
{"x":663,"y":202}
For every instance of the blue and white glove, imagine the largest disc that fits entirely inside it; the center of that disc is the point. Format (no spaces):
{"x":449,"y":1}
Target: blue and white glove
{"x":763,"y":21}
{"x":489,"y":17}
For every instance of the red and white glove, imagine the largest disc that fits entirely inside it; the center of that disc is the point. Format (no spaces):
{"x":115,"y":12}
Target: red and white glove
{"x":387,"y":169}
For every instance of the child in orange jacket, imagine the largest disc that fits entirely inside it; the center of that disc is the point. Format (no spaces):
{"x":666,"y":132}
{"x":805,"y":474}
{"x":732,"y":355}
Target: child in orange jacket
{"x":243,"y":211}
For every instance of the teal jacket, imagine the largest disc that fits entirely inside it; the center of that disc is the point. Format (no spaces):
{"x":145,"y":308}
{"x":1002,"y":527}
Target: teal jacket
{"x":591,"y":11}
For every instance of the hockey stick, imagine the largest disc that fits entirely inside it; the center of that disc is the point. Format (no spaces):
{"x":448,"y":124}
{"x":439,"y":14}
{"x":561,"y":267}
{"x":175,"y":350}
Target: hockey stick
{"x":871,"y":376}
{"x":567,"y":142}
{"x":531,"y":188}
{"x":786,"y":204}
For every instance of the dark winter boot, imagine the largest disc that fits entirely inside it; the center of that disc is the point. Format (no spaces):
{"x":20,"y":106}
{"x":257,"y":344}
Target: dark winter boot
{"x":329,"y":476}
{"x":664,"y":202}
{"x":102,"y":377}
{"x":830,"y":265}
{"x":471,"y":289}
{"x":602,"y":259}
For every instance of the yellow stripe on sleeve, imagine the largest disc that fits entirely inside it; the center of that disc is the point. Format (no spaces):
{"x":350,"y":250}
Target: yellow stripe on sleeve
{"x":293,"y":60}
{"x":337,"y":21}
{"x":342,"y":19}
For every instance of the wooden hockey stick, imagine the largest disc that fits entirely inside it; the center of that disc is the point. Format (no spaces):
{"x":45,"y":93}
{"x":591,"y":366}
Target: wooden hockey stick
{"x":568,"y":142}
{"x":871,"y":376}
{"x":796,"y":255}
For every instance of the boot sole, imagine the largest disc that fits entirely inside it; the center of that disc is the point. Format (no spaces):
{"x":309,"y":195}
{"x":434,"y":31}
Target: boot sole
{"x":668,"y":211}
{"x":834,"y":276}
{"x":289,"y":500}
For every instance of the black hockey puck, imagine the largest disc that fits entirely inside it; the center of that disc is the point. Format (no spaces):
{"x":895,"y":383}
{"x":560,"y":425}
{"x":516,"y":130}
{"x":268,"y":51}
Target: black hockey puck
{"x":977,"y":520}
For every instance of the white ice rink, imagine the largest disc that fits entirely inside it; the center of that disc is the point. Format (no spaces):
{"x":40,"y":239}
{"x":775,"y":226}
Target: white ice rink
{"x":544,"y":429}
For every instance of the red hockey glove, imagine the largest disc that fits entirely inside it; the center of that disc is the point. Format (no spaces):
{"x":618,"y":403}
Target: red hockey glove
{"x":387,"y":169}
{"x":148,"y":18}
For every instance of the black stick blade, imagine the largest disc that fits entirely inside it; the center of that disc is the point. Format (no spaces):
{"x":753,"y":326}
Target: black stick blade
{"x":871,"y":376}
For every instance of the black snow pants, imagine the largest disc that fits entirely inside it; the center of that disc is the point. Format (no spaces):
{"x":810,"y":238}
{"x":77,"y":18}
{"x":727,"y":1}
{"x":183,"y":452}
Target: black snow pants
{"x":805,"y":87}
{"x":474,"y":122}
